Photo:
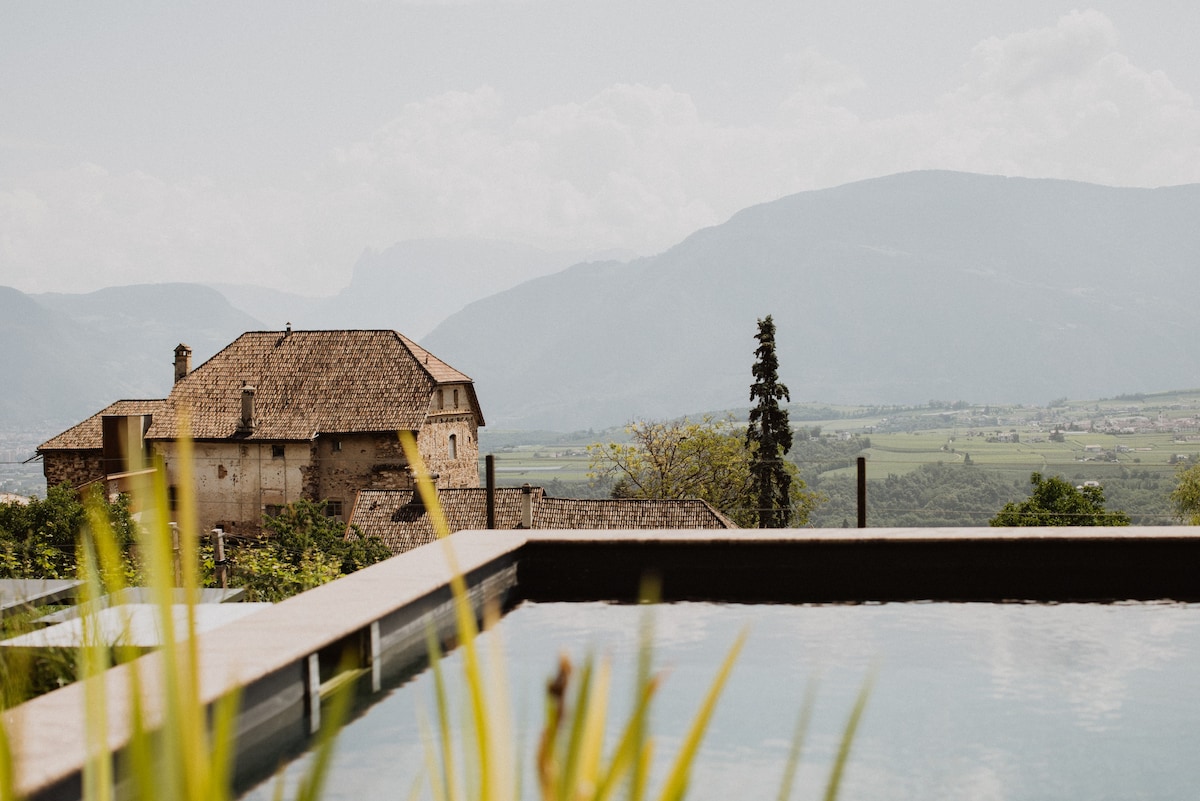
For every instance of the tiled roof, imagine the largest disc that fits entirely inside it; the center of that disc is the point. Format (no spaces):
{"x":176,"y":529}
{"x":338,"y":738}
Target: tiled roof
{"x":616,"y":513}
{"x":88,"y":435}
{"x":403,"y":525}
{"x":394,"y":517}
{"x":308,"y":382}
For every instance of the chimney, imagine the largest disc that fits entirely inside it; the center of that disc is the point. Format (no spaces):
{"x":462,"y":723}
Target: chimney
{"x":183,"y":361}
{"x":247,"y":422}
{"x":526,"y":506}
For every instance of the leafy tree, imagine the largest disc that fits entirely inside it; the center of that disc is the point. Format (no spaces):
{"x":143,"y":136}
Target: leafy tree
{"x":1055,"y":502}
{"x":302,"y":548}
{"x":935,"y":494}
{"x":769,"y":435}
{"x":817,"y":454}
{"x":267,"y":576}
{"x":37,"y":539}
{"x":304,"y":526}
{"x":1186,"y":495}
{"x":709,"y":460}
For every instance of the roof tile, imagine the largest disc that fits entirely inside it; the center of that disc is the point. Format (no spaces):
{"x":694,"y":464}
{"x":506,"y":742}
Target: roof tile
{"x":404,"y":524}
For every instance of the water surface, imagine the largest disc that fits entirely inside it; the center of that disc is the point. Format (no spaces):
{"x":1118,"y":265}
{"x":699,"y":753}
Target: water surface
{"x":971,"y":701}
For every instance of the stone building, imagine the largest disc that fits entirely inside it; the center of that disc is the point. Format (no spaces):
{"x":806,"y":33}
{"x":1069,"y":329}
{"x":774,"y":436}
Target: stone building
{"x":278,"y":416}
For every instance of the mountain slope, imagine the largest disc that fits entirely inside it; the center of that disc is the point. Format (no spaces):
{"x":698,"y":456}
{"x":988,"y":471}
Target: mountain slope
{"x":41,"y":360}
{"x":899,"y":289}
{"x":67,"y":356}
{"x":414,"y":285}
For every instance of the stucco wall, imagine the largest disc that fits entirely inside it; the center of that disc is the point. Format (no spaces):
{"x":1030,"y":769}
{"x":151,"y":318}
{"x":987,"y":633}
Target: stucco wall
{"x":236,"y":481}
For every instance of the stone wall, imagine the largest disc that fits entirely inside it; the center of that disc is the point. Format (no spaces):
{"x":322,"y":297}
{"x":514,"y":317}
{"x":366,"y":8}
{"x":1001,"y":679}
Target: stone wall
{"x":345,"y":463}
{"x":457,"y":469}
{"x":72,"y":467}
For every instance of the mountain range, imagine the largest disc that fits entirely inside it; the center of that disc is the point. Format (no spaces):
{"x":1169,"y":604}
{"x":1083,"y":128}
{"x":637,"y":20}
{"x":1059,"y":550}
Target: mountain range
{"x":927,"y":285}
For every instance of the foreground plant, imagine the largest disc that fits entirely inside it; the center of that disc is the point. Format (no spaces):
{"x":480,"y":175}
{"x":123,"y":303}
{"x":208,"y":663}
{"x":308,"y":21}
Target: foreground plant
{"x":185,"y":750}
{"x":572,"y":761}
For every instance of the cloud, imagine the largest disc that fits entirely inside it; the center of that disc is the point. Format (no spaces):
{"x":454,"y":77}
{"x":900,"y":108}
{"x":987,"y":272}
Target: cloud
{"x":634,"y":166}
{"x":640,"y":166}
{"x":1063,"y":102}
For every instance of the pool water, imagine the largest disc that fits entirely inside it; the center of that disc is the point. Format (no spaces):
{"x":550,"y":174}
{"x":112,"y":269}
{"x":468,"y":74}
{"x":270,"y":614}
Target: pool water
{"x":970,"y":701}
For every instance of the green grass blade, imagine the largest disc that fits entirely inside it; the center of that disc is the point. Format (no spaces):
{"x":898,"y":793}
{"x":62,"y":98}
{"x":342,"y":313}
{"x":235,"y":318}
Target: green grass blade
{"x":312,"y":785}
{"x":224,"y":750}
{"x":676,"y":783}
{"x":625,"y":760}
{"x":649,"y":594}
{"x":843,"y":755}
{"x":446,"y":776}
{"x":798,"y":738}
{"x":570,"y":752}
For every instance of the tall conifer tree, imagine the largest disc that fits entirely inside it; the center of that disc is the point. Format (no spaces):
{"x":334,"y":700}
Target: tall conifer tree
{"x":769,"y":434}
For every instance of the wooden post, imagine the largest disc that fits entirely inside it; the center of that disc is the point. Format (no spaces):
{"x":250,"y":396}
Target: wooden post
{"x":222,"y":564}
{"x":490,"y":471}
{"x":175,"y":554}
{"x":862,"y":492}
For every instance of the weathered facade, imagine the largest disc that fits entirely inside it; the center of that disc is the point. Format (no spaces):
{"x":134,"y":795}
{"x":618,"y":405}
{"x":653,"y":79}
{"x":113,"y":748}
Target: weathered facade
{"x":278,"y":416}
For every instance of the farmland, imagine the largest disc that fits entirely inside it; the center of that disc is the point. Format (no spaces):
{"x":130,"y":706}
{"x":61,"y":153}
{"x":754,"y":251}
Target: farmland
{"x":1132,"y":446}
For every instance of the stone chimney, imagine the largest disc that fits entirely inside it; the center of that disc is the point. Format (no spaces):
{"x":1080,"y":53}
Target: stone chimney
{"x":183,"y":361}
{"x":526,"y":506}
{"x":247,"y":421}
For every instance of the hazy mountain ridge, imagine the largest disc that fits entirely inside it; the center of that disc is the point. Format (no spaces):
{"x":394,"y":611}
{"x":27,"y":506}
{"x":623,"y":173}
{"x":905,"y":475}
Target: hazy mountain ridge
{"x":895,"y":290}
{"x":68,"y":356}
{"x":410,"y":287}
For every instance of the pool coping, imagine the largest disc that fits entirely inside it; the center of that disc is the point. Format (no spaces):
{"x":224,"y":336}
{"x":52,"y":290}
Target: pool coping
{"x":278,"y":657}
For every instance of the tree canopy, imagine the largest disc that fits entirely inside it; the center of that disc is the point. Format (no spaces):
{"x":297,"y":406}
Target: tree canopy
{"x":769,"y":436}
{"x":709,"y":460}
{"x":302,"y":548}
{"x":38,"y":538}
{"x":1186,"y":495}
{"x":1055,"y":502}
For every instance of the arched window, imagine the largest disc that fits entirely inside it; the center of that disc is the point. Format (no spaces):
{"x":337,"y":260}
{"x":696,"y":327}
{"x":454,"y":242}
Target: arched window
{"x":454,"y":446}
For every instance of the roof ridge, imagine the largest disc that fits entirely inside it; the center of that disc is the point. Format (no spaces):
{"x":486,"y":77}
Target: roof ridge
{"x":422,"y":357}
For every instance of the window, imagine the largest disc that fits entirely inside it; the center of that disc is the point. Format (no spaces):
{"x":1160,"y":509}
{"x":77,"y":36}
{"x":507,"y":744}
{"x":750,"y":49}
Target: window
{"x":456,"y":399}
{"x":441,"y":396}
{"x":277,"y":451}
{"x":453,"y":446}
{"x":337,"y":446}
{"x":333,"y":508}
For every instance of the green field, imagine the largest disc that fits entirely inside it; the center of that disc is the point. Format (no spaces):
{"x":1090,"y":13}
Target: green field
{"x":901,"y":453}
{"x":1132,"y":445}
{"x":539,"y":464}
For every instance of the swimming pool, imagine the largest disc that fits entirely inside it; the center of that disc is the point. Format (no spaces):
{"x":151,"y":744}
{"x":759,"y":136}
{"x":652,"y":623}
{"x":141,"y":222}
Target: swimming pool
{"x":971,"y":700}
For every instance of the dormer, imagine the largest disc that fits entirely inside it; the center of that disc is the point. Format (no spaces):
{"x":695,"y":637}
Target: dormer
{"x":450,"y":399}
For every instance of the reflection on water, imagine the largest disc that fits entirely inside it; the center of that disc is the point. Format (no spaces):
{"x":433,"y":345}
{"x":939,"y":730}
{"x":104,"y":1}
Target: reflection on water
{"x":972,"y":701}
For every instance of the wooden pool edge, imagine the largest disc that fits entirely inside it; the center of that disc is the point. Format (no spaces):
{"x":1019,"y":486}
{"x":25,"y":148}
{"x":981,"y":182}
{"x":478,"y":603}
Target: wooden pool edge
{"x":277,"y":658}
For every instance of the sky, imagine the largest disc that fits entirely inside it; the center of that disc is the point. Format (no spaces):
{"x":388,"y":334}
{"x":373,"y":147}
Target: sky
{"x":273,"y":141}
